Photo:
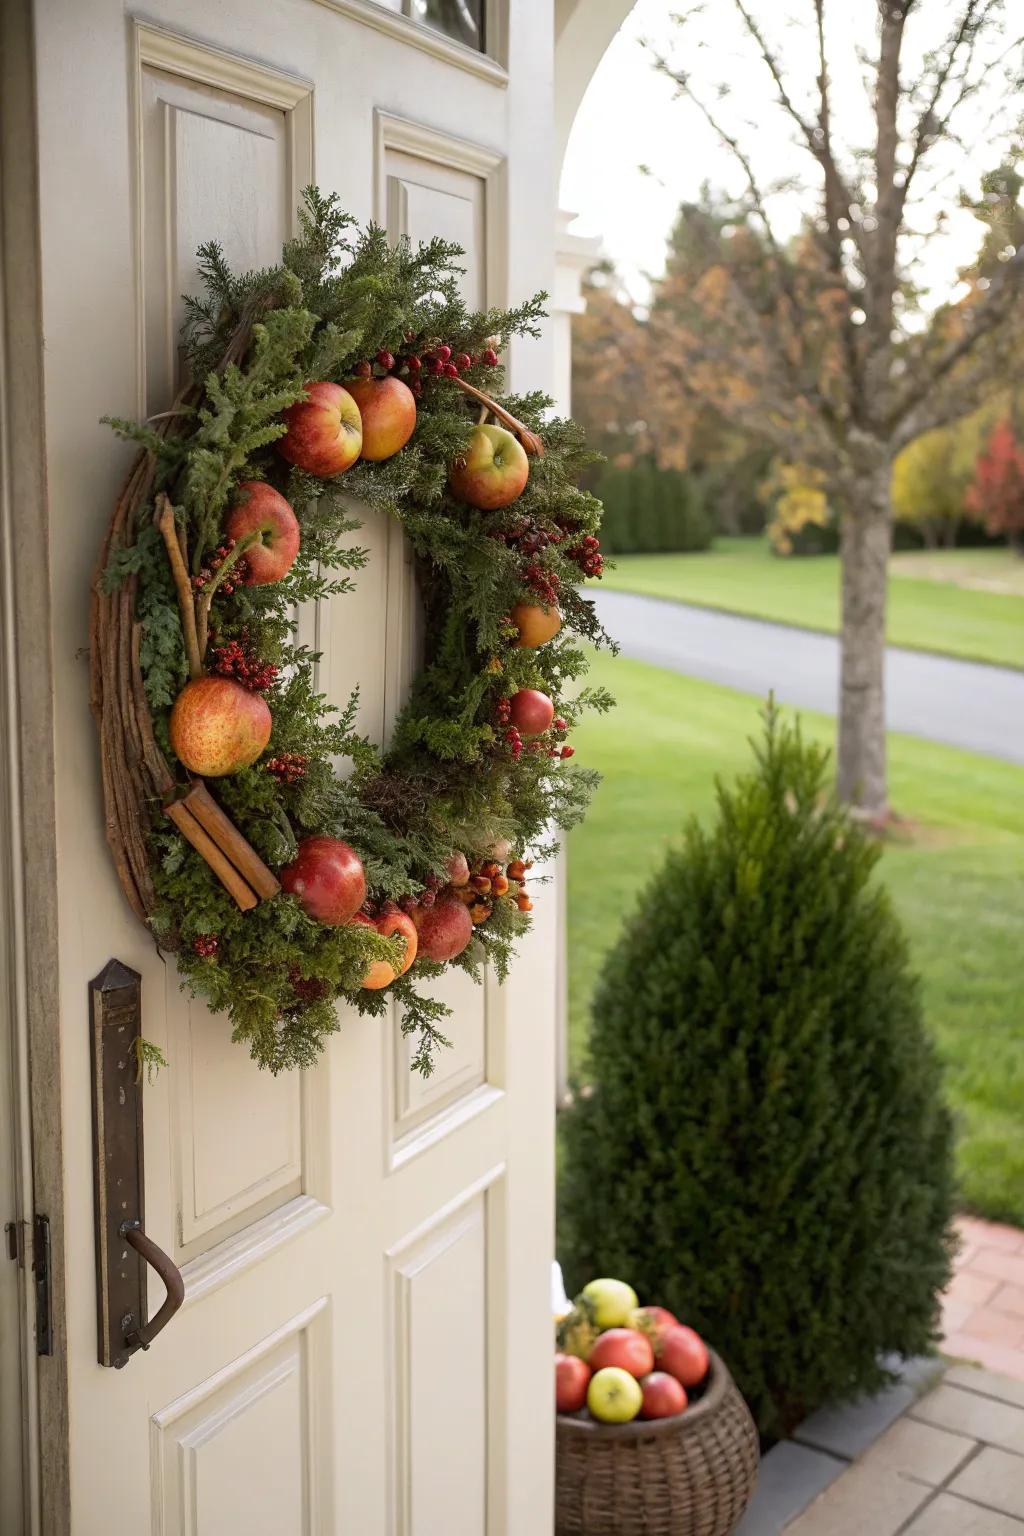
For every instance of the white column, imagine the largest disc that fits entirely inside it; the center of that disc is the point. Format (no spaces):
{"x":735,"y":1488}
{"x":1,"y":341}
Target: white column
{"x":574,"y":255}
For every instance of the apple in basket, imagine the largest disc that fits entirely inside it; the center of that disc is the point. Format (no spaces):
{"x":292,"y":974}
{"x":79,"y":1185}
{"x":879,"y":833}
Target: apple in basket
{"x":614,"y":1396}
{"x":684,"y":1355}
{"x":572,"y":1377}
{"x":663,"y":1396}
{"x":609,"y":1302}
{"x":625,"y":1348}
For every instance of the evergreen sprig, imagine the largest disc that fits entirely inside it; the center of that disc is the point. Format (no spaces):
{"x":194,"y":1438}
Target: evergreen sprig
{"x":448,"y":780}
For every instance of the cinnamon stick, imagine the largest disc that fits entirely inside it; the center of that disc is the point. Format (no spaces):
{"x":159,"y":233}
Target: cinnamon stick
{"x":165,"y":523}
{"x":530,"y":441}
{"x":204,"y":845}
{"x":230,"y":841}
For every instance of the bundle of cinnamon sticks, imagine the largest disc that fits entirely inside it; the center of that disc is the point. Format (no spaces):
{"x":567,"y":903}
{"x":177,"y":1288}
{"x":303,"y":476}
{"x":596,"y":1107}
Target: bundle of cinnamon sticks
{"x":215,"y":838}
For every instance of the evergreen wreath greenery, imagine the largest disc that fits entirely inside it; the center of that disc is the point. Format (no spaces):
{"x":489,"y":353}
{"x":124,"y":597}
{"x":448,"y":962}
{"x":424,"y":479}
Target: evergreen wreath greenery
{"x":449,"y":780}
{"x":764,"y":1145}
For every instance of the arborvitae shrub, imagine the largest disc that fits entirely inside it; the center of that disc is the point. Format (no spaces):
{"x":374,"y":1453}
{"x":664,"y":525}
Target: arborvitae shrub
{"x":764,"y":1148}
{"x":648,"y":510}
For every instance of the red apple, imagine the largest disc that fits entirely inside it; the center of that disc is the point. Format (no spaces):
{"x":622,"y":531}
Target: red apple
{"x":684,"y":1355}
{"x":458,"y":869}
{"x":261,"y":510}
{"x":625,"y":1348}
{"x":532,"y":711}
{"x":654,"y":1322}
{"x":325,"y":431}
{"x":388,"y":409}
{"x":663,"y":1396}
{"x":326,"y":878}
{"x":572,"y":1377}
{"x":493,"y":470}
{"x":381,"y":974}
{"x":444,"y":929}
{"x":218,"y":727}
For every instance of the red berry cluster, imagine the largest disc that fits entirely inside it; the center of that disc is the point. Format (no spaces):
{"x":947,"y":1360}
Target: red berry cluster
{"x":543,"y":582}
{"x":309,"y":989}
{"x":205,"y":945}
{"x":237,"y":659}
{"x":239,"y":571}
{"x":288,"y":768}
{"x":436,"y":359}
{"x":587,"y":555}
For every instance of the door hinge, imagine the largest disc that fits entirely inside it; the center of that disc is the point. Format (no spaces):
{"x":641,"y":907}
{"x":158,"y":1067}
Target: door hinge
{"x":41,"y":1280}
{"x":15,"y":1233}
{"x":14,"y":1241}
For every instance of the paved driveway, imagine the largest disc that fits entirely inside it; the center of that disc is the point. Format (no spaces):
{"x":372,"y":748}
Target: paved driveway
{"x":960,"y":703}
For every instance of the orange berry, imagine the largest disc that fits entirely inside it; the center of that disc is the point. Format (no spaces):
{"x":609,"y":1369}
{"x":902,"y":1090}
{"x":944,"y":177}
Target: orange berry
{"x":523,"y":902}
{"x":499,"y":885}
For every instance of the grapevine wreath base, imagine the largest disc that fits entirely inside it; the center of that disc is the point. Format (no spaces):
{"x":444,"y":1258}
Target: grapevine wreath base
{"x":352,"y":374}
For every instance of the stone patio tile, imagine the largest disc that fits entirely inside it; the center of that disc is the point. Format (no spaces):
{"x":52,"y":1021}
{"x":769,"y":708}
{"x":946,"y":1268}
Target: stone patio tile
{"x":1006,"y":1388}
{"x":997,"y":1265}
{"x":789,"y":1477}
{"x":863,"y":1499}
{"x":1009,"y":1299}
{"x":968,"y":1413}
{"x":846,"y":1430}
{"x":994,"y":1478}
{"x":920,"y":1451}
{"x":948,"y":1516}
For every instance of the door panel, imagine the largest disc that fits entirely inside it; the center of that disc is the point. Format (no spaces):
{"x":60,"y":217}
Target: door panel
{"x":359,"y":1245}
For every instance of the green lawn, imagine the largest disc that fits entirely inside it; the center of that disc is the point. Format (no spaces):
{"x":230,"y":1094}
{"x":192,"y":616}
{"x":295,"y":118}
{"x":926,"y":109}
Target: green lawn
{"x":959,"y":885}
{"x":967,"y":602}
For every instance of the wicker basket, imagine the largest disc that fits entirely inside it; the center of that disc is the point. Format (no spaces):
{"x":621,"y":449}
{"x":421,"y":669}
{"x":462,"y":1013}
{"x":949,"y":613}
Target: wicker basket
{"x":691,"y":1475}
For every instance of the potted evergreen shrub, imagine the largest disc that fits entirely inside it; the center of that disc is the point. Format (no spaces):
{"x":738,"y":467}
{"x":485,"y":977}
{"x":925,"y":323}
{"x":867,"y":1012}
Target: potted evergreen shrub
{"x":762,"y":1142}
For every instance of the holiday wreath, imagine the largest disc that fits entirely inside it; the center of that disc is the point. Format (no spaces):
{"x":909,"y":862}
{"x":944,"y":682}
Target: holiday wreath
{"x":351,"y":374}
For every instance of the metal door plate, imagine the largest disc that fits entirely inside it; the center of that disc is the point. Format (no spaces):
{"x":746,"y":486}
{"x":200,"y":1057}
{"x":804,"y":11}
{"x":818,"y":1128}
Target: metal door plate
{"x":116,"y":1023}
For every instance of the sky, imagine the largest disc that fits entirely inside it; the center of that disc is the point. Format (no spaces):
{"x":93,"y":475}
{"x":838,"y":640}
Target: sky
{"x":629,"y":118}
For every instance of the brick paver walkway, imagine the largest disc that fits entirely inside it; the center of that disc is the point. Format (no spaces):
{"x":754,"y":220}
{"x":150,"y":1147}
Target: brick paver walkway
{"x":983,"y":1310}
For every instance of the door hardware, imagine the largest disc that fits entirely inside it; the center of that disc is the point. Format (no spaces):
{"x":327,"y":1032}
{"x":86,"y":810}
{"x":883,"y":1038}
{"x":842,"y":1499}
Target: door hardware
{"x":124,"y":1251}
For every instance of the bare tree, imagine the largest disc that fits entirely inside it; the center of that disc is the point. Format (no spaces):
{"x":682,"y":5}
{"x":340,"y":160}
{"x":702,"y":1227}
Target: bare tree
{"x":815,"y":344}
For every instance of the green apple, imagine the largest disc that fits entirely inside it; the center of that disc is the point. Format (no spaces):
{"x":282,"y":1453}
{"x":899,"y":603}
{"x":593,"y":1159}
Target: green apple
{"x":610,"y":1302}
{"x":614,"y":1396}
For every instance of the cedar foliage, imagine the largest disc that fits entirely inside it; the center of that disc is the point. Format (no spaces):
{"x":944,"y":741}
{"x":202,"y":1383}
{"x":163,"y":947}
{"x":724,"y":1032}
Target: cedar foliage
{"x":765,"y":1149}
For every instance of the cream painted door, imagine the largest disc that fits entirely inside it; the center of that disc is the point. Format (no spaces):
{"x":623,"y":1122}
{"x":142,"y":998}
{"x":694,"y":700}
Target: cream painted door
{"x":364,"y":1346}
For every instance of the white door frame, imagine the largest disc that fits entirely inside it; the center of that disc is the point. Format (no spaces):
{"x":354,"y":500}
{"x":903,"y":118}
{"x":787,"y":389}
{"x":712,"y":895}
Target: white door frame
{"x":29,"y":1011}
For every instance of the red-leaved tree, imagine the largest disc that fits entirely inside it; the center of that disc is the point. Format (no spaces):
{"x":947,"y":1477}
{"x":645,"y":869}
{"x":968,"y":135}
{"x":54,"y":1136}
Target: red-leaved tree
{"x":996,"y":494}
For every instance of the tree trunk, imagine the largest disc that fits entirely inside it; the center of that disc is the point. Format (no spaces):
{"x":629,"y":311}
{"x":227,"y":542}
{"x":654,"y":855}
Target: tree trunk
{"x":864,"y":549}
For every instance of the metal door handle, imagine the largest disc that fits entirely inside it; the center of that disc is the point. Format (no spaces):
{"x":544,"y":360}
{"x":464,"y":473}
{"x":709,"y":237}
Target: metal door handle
{"x":170,"y":1274}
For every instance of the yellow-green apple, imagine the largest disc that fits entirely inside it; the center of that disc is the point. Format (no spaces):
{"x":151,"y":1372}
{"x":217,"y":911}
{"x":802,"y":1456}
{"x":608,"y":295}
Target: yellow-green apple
{"x":493,"y":470}
{"x":325,"y":430}
{"x":381,"y":974}
{"x":262,"y":511}
{"x":537,"y":623}
{"x":531,"y":711}
{"x":388,"y":409}
{"x":327,"y":879}
{"x":444,"y":929}
{"x":218,"y":727}
{"x":609,"y":1302}
{"x":614,"y":1396}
